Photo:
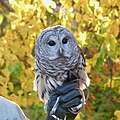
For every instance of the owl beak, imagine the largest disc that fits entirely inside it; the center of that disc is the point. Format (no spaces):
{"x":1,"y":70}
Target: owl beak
{"x":61,"y":51}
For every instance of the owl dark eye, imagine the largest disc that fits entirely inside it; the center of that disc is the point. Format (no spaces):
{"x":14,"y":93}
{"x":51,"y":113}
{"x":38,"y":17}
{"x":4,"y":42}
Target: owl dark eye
{"x":65,"y":40}
{"x":51,"y":43}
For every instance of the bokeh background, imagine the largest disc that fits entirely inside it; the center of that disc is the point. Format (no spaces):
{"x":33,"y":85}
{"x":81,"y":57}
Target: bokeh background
{"x":95,"y":25}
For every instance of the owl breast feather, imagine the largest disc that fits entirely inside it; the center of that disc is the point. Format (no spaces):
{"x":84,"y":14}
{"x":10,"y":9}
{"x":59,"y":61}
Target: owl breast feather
{"x":51,"y":74}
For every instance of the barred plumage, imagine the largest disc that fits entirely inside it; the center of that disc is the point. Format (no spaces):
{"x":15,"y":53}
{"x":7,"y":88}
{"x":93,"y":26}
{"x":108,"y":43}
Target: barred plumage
{"x":56,"y":52}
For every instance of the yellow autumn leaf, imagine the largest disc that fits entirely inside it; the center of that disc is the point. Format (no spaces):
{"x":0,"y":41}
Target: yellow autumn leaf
{"x":117,"y":114}
{"x":10,"y":86}
{"x":30,"y":101}
{"x":3,"y":91}
{"x":2,"y":61}
{"x":1,"y":18}
{"x":114,"y":28}
{"x":77,"y":117}
{"x":86,"y":17}
{"x":77,"y":17}
{"x":20,"y":92}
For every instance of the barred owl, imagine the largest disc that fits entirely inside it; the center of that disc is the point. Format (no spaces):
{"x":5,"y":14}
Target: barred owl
{"x":56,"y":52}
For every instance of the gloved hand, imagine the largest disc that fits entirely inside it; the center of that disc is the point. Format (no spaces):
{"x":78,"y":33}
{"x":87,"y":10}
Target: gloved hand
{"x":63,"y":98}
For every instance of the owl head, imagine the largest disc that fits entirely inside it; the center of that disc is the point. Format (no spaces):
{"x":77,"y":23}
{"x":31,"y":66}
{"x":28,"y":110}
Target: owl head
{"x":56,"y":43}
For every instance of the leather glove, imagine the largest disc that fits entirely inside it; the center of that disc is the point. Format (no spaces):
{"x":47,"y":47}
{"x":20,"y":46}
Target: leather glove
{"x":63,"y":98}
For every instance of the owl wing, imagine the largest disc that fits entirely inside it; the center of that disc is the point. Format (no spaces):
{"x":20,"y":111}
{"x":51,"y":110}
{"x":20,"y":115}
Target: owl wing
{"x":82,"y":71}
{"x":40,"y":83}
{"x":43,"y":83}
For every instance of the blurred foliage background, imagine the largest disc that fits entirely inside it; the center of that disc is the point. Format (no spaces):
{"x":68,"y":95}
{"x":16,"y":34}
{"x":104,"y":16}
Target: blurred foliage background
{"x":96,"y":26}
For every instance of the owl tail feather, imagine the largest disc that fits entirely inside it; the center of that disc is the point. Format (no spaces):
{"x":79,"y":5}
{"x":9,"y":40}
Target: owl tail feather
{"x":35,"y":85}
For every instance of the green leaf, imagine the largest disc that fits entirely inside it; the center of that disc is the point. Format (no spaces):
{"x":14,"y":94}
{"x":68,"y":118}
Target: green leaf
{"x":112,"y":41}
{"x":17,"y":87}
{"x":101,"y":56}
{"x":11,"y":68}
{"x":15,"y":70}
{"x":103,"y":30}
